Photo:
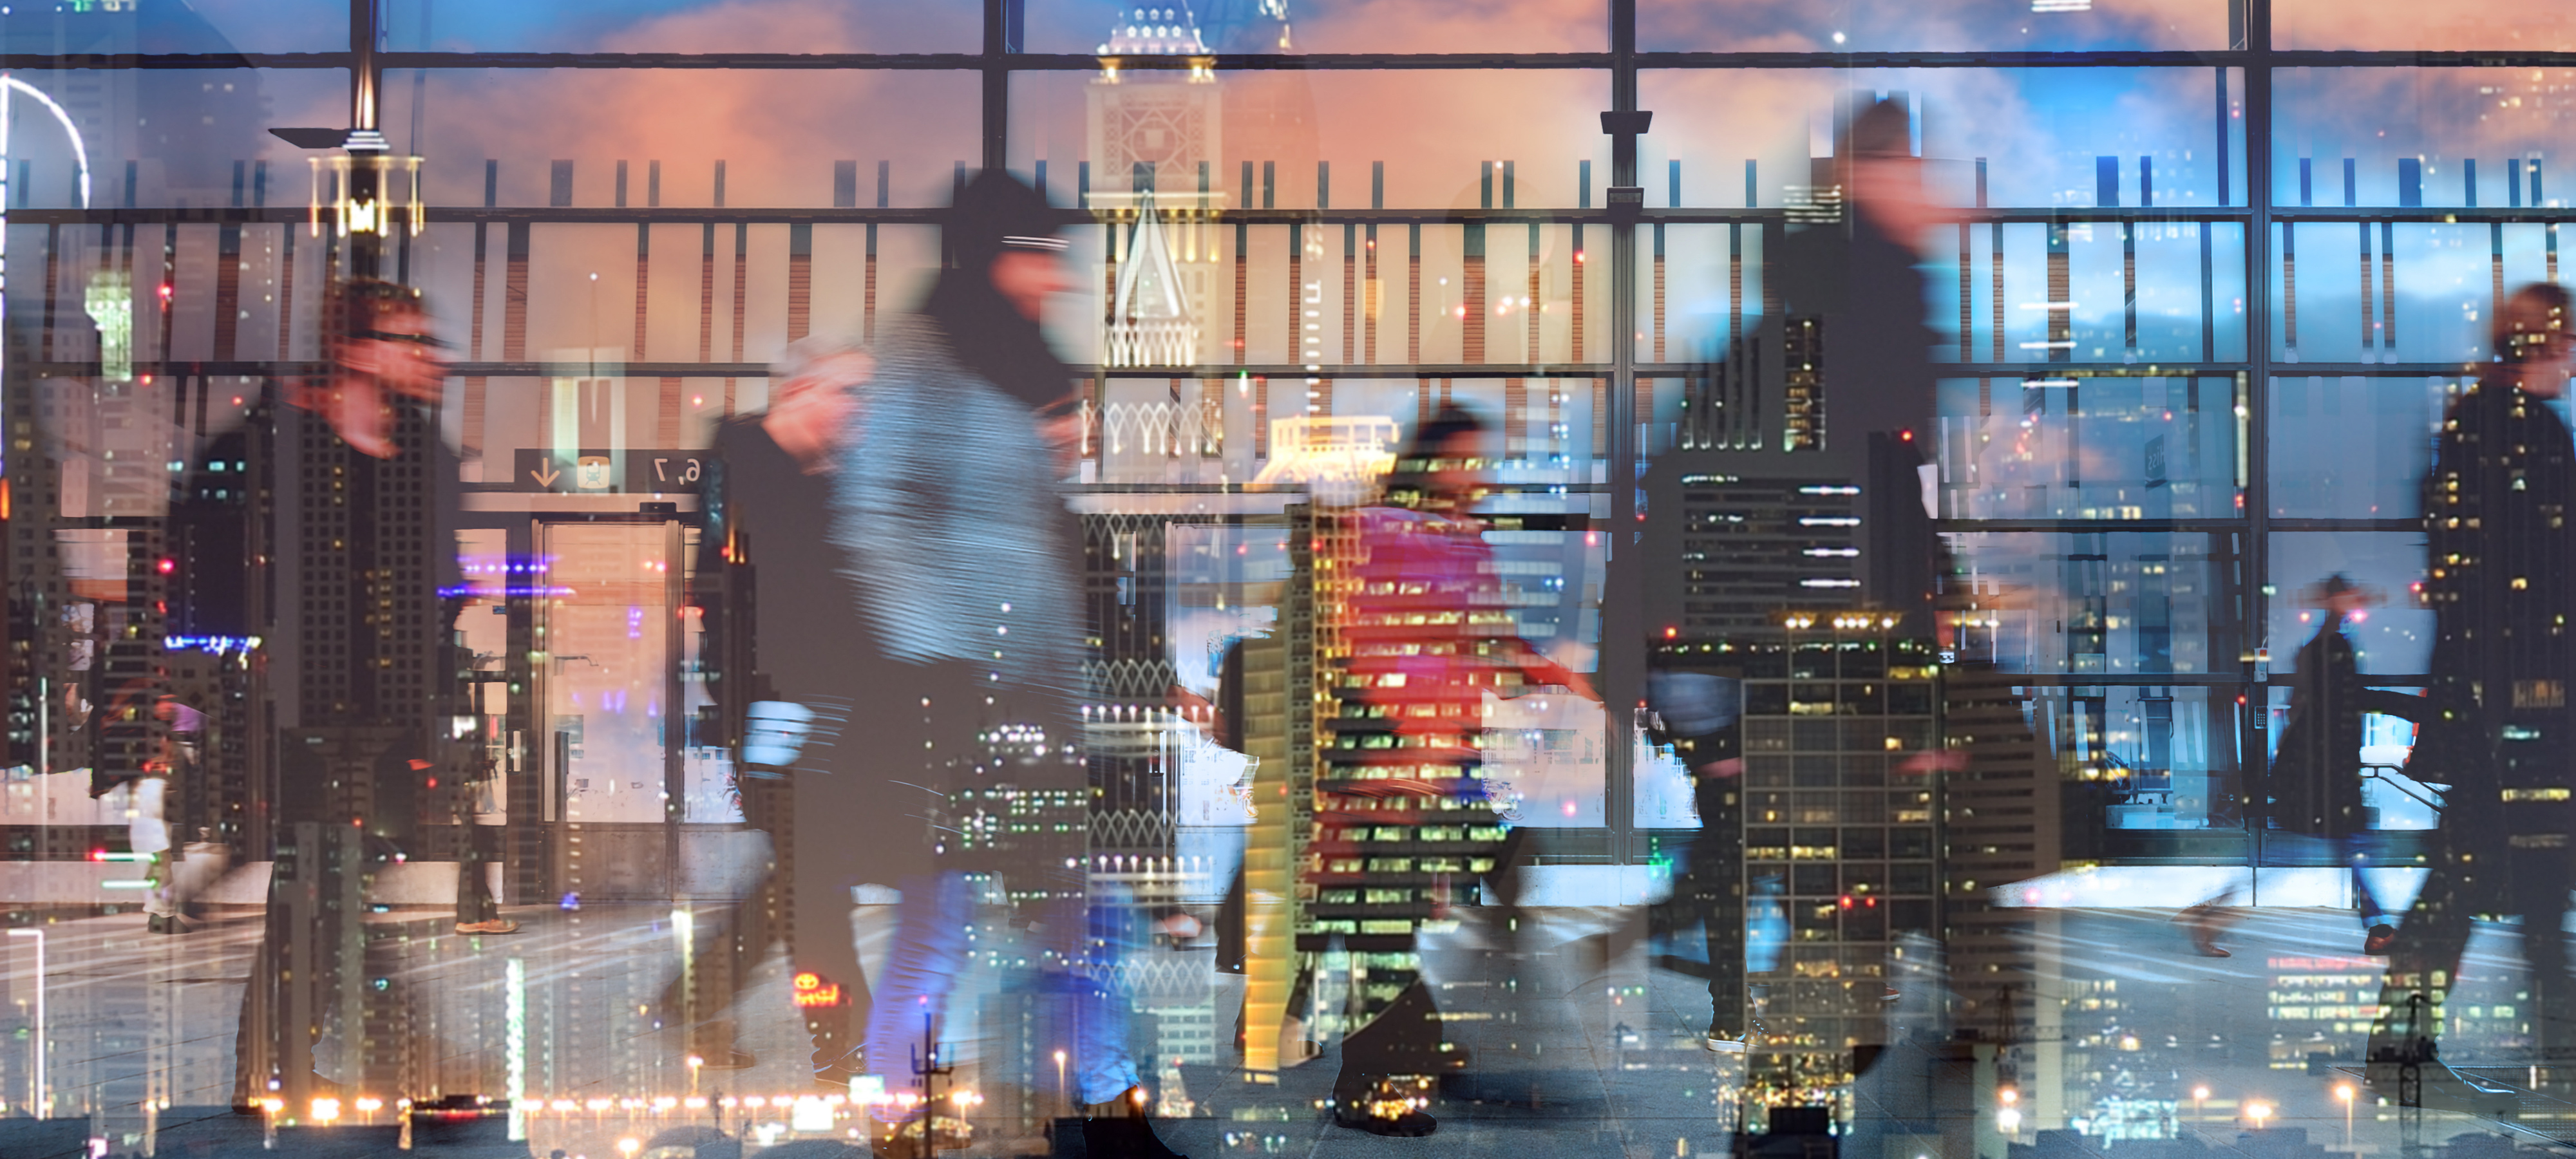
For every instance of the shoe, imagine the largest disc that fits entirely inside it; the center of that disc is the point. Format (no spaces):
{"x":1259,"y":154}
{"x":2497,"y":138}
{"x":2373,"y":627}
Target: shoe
{"x":1408,"y":1125}
{"x":2381,"y":936}
{"x":1126,"y":1134}
{"x":495,"y":926}
{"x":1391,"y":1106}
{"x":1723,"y":1040}
{"x":2200,"y":924}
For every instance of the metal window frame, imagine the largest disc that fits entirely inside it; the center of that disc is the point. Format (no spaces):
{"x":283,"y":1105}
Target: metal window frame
{"x":2250,"y":50}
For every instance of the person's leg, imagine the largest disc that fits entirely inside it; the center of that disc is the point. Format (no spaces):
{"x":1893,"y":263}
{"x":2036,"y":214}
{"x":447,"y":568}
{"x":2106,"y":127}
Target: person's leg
{"x":2536,"y":862}
{"x":820,"y":904}
{"x":476,"y":909}
{"x":1107,"y":1068}
{"x":1390,"y":1066}
{"x":929,"y":953}
{"x":1116,"y":1121}
{"x":1717,"y":884}
{"x":729,"y":944}
{"x":2361,"y":852}
{"x":2425,"y":953}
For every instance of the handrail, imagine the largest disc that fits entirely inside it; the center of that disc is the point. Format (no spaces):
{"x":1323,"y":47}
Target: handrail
{"x":2389,"y":775}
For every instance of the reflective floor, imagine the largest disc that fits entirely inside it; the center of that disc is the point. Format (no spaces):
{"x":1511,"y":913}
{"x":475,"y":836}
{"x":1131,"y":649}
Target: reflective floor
{"x":1594,"y":1051}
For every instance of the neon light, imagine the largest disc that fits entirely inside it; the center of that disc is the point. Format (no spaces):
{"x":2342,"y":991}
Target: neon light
{"x":216,"y":644}
{"x":812,"y":991}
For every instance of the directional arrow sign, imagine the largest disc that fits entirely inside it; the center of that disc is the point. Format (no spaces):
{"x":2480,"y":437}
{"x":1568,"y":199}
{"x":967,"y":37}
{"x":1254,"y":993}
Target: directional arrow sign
{"x":594,"y":471}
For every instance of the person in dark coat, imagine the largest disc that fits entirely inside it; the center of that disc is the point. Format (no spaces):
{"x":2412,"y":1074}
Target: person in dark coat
{"x":1856,"y":355}
{"x":2501,"y":581}
{"x":785,"y":700}
{"x":2316,"y":777}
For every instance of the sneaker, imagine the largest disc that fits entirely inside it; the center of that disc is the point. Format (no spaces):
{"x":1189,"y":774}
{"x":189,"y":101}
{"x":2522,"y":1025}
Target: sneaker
{"x":1391,"y":1105}
{"x":495,"y":926}
{"x":1403,"y":1125}
{"x":2380,"y":938}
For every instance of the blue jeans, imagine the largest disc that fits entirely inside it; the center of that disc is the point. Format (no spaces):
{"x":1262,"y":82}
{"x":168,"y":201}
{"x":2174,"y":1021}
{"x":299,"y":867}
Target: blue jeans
{"x":1089,"y":940}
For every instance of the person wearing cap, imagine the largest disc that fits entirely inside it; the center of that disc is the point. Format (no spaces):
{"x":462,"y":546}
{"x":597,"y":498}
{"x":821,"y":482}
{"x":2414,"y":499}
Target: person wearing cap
{"x":949,"y":509}
{"x":2316,"y":774}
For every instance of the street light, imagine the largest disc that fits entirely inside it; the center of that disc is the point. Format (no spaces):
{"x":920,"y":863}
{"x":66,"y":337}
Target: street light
{"x":2343,"y":1094}
{"x":2258,"y":1112}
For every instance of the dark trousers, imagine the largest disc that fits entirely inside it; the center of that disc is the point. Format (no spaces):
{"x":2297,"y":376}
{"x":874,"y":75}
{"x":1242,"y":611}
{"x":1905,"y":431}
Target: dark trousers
{"x":476,"y":847}
{"x":1708,"y":891}
{"x":2505,"y":848}
{"x":815,"y":926}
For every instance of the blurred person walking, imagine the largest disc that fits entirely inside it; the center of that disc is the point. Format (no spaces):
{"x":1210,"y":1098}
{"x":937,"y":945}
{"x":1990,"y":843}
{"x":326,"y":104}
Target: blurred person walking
{"x":2316,"y":776}
{"x":1850,"y":323}
{"x":950,"y":509}
{"x":2501,"y":582}
{"x":782,"y":632}
{"x":365,"y":749}
{"x":2312,"y":800}
{"x":1430,"y":634}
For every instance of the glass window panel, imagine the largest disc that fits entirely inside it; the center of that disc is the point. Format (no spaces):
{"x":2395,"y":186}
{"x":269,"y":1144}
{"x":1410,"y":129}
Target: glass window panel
{"x":1879,"y":25}
{"x":2150,"y":756}
{"x":211,"y":26}
{"x":678,"y":26}
{"x":1442,"y":155}
{"x":2386,"y":24}
{"x":2428,"y":127}
{"x":2116,"y":603}
{"x":2106,"y":447}
{"x":2351,"y":447}
{"x":162,"y":137}
{"x":2040,"y":132}
{"x":1260,"y":27}
{"x":681,"y":130}
{"x":2422,"y":294}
